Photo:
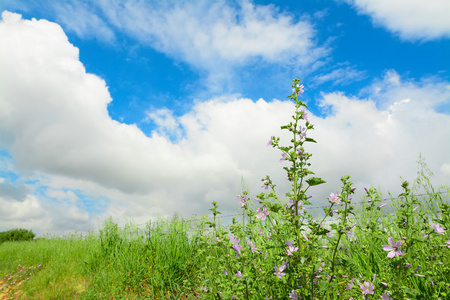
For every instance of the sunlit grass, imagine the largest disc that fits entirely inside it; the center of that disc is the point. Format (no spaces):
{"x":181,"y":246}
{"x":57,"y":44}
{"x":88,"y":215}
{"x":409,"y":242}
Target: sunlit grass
{"x":166,"y":260}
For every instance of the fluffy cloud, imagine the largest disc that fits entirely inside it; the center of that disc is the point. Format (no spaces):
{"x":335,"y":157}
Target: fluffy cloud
{"x":56,"y":126}
{"x":410,"y":19}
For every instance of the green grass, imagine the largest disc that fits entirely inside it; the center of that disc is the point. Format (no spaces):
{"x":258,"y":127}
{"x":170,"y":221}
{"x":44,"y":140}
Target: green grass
{"x":118,"y":263}
{"x":171,"y":259}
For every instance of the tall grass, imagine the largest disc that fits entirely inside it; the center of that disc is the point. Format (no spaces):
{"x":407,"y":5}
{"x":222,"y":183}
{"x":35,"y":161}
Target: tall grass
{"x":118,"y":263}
{"x":171,"y":259}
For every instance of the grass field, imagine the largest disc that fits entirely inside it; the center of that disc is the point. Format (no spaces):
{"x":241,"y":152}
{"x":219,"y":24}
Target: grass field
{"x":171,"y":259}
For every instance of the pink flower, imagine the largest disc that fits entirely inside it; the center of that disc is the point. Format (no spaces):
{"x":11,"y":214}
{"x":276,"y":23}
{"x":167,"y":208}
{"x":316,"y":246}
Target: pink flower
{"x":262,"y":214}
{"x":385,"y":296}
{"x":304,"y":115}
{"x":446,"y":245}
{"x":291,"y":249}
{"x":367,"y":288}
{"x":270,"y":141}
{"x":334,"y":198}
{"x":393,"y":247}
{"x":278,"y":271}
{"x":243,"y":200}
{"x":437,"y":229}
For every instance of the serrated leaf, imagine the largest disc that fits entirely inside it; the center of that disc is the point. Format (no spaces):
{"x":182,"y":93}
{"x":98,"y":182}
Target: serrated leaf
{"x":314,"y":181}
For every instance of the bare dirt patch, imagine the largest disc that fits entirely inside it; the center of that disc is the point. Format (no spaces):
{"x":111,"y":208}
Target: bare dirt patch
{"x":8,"y":291}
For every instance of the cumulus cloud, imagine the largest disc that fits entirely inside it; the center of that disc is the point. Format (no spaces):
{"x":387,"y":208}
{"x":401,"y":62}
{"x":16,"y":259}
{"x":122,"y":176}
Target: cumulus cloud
{"x":409,"y":19}
{"x":56,"y":126}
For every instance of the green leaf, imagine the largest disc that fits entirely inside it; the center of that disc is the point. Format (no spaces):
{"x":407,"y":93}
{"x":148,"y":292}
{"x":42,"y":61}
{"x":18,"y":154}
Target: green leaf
{"x":310,"y":140}
{"x":315,"y":181}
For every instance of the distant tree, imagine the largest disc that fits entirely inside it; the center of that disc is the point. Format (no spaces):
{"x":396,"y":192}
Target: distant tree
{"x":17,"y":234}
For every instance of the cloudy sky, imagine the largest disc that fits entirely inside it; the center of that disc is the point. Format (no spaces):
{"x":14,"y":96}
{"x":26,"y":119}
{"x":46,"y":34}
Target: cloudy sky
{"x":139,"y":109}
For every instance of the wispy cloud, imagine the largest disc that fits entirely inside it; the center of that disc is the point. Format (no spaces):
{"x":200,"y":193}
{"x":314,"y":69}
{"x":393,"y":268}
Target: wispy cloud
{"x":341,"y":76}
{"x":410,"y":19}
{"x":215,"y":38}
{"x":83,"y":20}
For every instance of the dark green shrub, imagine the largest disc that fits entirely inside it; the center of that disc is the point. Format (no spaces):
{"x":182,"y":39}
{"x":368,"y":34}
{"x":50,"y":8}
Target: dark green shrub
{"x":16,"y":235}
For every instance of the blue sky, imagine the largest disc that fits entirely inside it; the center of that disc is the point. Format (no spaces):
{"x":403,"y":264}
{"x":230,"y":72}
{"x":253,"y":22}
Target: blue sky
{"x":137,"y":109}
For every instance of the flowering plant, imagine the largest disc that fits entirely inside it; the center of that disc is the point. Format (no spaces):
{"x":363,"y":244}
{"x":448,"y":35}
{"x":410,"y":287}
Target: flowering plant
{"x":281,"y":251}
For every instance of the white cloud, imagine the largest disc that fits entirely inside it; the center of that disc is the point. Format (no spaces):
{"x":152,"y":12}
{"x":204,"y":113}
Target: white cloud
{"x":81,"y":20}
{"x":341,"y":76}
{"x":165,"y":121}
{"x":215,"y":37}
{"x":410,"y":19}
{"x":58,"y":131}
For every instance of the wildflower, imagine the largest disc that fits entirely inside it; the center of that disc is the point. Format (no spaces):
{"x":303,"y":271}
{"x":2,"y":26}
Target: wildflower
{"x":239,"y":274}
{"x":393,"y":247}
{"x":294,"y":295}
{"x":298,"y":89}
{"x":407,"y":266}
{"x":334,"y":198}
{"x":253,"y":248}
{"x":418,"y":275}
{"x":243,"y":200}
{"x":262,"y":233}
{"x":238,"y":248}
{"x":283,"y":157}
{"x":234,"y":239}
{"x":418,"y":267}
{"x":270,"y":141}
{"x":262,"y":214}
{"x":383,"y":205}
{"x":437,"y":229}
{"x":446,"y":245}
{"x":290,"y":242}
{"x":266,"y":182}
{"x":385,"y":296}
{"x":278,"y":271}
{"x":291,"y":249}
{"x":301,"y":132}
{"x":304,"y":236}
{"x":225,"y":272}
{"x":416,"y":208}
{"x":367,"y":288}
{"x":304,"y":115}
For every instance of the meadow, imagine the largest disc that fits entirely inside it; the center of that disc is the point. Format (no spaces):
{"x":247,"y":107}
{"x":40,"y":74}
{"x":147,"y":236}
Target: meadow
{"x":375,"y":247}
